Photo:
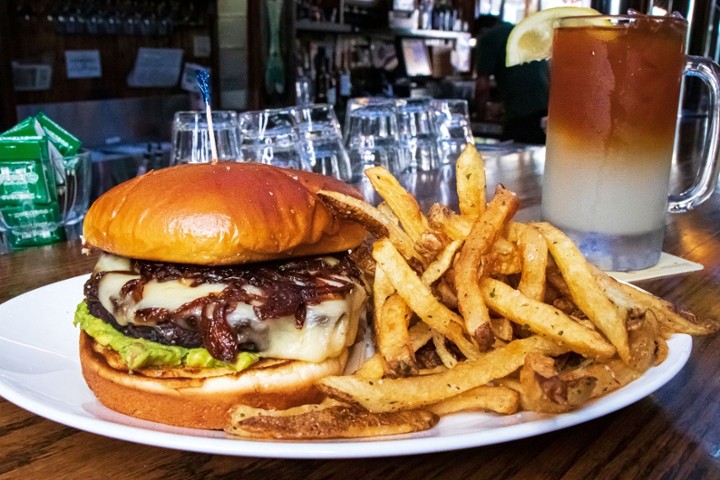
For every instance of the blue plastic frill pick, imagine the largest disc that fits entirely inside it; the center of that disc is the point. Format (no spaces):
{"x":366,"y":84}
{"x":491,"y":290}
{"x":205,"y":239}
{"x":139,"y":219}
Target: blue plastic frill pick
{"x":203,"y":79}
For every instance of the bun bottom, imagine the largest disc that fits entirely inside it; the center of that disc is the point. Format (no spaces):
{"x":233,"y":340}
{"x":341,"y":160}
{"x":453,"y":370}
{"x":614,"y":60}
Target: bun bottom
{"x":202,"y":402}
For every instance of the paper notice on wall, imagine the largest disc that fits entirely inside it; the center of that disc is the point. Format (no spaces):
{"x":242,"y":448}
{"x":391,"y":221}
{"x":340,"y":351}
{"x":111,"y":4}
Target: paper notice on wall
{"x":83,"y":63}
{"x":201,"y":46}
{"x":156,"y":67}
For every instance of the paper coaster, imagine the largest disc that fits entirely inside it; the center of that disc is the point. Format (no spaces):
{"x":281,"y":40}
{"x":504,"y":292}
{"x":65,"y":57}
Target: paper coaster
{"x":668,"y":265}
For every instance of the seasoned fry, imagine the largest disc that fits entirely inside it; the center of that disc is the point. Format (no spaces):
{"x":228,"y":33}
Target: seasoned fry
{"x":556,"y":281}
{"x":501,"y":328}
{"x":586,"y":291}
{"x":447,"y":358}
{"x":442,"y":263}
{"x":392,"y":317}
{"x":642,"y":339}
{"x":371,"y":218}
{"x":385,"y":209}
{"x":393,"y":340}
{"x":494,"y":399}
{"x":324,"y":421}
{"x":382,"y":290}
{"x":609,"y":375}
{"x":374,"y":367}
{"x":444,"y":220}
{"x":399,"y":200}
{"x":668,"y":315}
{"x":419,"y":297}
{"x":431,"y":243}
{"x":472,"y":258}
{"x":535,"y":255}
{"x":543,"y":319}
{"x":544,"y":391}
{"x":504,"y":258}
{"x":388,"y":395}
{"x":470,"y":178}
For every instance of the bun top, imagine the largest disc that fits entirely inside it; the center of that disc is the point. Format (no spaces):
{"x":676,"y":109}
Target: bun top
{"x":220,"y":214}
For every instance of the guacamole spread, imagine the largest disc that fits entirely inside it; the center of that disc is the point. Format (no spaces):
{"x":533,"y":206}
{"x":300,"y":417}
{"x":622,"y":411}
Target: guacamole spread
{"x":138,"y":353}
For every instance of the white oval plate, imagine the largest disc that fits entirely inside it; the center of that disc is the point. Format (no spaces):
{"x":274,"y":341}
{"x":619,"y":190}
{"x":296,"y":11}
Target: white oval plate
{"x":40,"y":372}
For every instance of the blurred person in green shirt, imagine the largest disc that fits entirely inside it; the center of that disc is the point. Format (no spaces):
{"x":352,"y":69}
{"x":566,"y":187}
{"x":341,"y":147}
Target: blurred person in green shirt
{"x":522,"y":88}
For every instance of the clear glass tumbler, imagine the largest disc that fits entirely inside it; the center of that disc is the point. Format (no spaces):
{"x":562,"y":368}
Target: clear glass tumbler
{"x":321,"y":139}
{"x":454,"y":128}
{"x":271,"y":136}
{"x":417,"y":122}
{"x":191,"y":137}
{"x":371,"y":136}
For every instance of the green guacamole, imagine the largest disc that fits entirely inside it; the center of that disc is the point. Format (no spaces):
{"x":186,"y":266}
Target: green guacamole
{"x":139,"y":353}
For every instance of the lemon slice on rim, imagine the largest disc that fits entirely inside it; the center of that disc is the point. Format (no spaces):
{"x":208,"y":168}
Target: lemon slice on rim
{"x":531,"y":38}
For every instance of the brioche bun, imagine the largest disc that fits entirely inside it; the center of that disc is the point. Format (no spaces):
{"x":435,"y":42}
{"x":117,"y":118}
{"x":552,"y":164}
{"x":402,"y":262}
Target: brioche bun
{"x":220,"y":214}
{"x":198,"y":401}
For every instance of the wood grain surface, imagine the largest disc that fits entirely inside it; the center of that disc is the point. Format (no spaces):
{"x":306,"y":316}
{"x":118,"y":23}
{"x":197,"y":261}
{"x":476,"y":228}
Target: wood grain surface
{"x":673,"y":433}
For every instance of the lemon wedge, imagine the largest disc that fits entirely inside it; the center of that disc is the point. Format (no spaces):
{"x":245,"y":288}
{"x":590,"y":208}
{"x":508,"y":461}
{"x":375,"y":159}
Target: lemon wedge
{"x":531,"y":38}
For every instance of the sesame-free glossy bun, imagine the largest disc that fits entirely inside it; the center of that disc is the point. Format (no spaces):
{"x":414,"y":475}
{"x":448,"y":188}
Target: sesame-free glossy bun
{"x":220,"y":214}
{"x":198,"y":401}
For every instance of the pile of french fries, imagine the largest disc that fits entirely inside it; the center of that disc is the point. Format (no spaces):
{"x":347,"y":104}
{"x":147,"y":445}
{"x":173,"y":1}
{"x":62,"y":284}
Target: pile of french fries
{"x":473,"y":311}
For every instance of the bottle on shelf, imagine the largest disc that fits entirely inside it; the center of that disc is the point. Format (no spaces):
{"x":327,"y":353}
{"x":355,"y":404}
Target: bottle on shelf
{"x":332,"y":83}
{"x":426,"y":11}
{"x":304,"y":85}
{"x":322,"y":77}
{"x":438,"y":15}
{"x":343,"y":80}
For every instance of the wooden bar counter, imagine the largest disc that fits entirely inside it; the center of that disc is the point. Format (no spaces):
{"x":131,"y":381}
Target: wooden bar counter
{"x":672,"y":433}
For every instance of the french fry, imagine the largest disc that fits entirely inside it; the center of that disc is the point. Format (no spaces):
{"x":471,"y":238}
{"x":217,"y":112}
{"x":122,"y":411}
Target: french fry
{"x":371,"y":218}
{"x":472,"y":257}
{"x":382,"y":290}
{"x":470,"y":179}
{"x":322,"y":421}
{"x":609,"y":375}
{"x":494,"y":399}
{"x":399,"y":200}
{"x":374,"y":367}
{"x":504,"y":258}
{"x":642,"y":339}
{"x":385,"y":209}
{"x":447,"y":293}
{"x":388,"y":395}
{"x":668,"y":315}
{"x":392,"y":317}
{"x":556,"y":281}
{"x":393,"y":339}
{"x":447,"y":358}
{"x":535,"y":255}
{"x":444,"y":220}
{"x":441,"y":264}
{"x":543,"y":319}
{"x":431,"y":243}
{"x":419,"y":297}
{"x":544,"y":391}
{"x":586,"y":291}
{"x":501,"y":328}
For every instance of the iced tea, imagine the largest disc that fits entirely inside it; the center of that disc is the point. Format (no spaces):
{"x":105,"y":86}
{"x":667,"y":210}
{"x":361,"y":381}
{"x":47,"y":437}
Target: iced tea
{"x":614,"y":97}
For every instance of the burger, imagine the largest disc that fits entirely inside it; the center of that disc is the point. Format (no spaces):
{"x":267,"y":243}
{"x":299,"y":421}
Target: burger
{"x":217,"y":285}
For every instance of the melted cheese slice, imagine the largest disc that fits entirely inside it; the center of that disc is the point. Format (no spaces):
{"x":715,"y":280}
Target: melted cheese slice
{"x":329,"y":327}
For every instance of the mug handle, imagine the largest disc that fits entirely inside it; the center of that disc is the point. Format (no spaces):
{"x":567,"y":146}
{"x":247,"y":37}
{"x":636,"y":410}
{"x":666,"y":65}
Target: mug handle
{"x":706,"y":178}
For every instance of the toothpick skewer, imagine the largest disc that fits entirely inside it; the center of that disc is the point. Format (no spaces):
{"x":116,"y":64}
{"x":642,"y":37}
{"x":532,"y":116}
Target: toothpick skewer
{"x":204,"y":84}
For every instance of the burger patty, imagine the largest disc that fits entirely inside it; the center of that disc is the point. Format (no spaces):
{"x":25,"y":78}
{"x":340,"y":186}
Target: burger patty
{"x":230,"y":308}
